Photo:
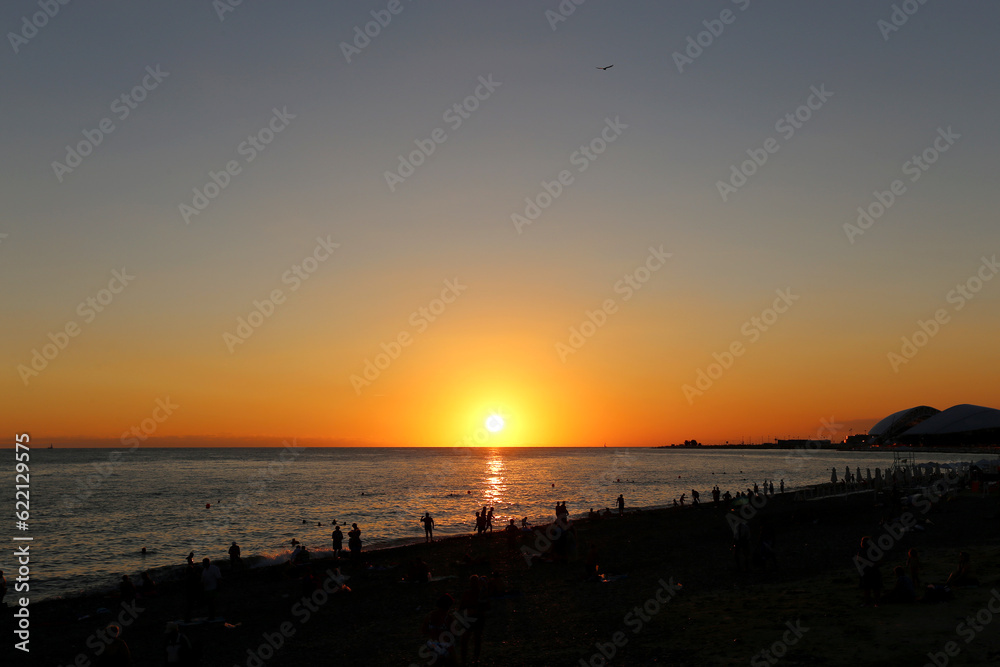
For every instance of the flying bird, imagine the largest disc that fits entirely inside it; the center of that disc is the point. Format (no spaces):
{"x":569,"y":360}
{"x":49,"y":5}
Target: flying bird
{"x":608,"y":67}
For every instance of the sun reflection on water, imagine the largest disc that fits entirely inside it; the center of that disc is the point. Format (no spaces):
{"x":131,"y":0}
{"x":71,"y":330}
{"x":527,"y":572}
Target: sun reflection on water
{"x":496,"y":479}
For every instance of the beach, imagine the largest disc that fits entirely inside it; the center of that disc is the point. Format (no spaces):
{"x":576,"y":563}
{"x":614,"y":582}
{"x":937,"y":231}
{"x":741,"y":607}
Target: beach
{"x":94,"y":510}
{"x":672,"y":595}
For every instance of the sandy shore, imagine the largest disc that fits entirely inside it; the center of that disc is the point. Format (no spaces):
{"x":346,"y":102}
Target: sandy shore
{"x":719,"y":617}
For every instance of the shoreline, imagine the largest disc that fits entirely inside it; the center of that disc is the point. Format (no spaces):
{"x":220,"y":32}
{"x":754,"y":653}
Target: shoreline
{"x":806,"y":492}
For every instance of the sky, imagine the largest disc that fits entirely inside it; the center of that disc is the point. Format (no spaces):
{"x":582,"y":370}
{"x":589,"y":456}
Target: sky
{"x":380,"y":223}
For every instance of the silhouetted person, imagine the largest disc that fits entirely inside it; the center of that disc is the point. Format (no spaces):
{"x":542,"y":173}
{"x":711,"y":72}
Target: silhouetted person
{"x":234,"y":556}
{"x":871,"y":578}
{"x":419,"y":571}
{"x":903,"y":592}
{"x":210,"y":578}
{"x":561,"y":543}
{"x":338,"y":541}
{"x":741,"y":545}
{"x":489,"y":520}
{"x":436,"y":628}
{"x":428,"y":527}
{"x":621,"y":505}
{"x":177,"y":646}
{"x":511,"y":531}
{"x":309,"y":582}
{"x":473,"y":604}
{"x":115,"y":653}
{"x":496,"y":587}
{"x":963,"y":575}
{"x":354,"y":543}
{"x":148,"y":587}
{"x":127,"y":589}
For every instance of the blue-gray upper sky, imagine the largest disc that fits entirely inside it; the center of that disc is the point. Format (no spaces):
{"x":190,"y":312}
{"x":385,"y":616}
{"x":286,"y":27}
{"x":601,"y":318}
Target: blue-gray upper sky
{"x":696,"y":90}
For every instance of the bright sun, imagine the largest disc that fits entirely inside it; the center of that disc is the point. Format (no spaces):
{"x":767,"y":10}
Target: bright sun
{"x":494,"y":423}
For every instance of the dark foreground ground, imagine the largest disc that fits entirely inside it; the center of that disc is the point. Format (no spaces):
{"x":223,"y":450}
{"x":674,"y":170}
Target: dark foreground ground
{"x":719,"y":617}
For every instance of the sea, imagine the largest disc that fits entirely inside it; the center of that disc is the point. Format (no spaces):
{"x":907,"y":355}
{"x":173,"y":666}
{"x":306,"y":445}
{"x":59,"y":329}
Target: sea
{"x":93,"y":510}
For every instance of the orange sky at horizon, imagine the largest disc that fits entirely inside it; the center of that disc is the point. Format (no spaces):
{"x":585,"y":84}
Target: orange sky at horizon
{"x":627,"y":385}
{"x":579,"y":411}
